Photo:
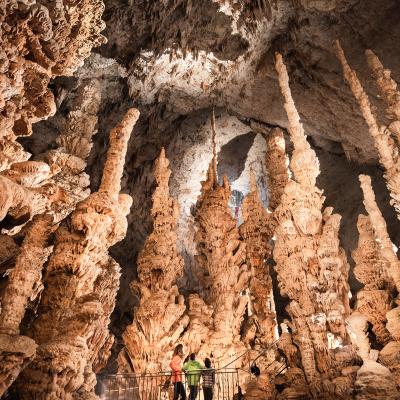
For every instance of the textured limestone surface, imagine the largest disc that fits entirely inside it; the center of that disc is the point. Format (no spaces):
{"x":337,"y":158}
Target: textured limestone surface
{"x":176,"y":61}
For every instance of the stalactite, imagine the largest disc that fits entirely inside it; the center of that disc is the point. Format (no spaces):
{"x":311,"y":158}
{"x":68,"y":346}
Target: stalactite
{"x":71,"y":308}
{"x":386,"y":147}
{"x":277,"y":166}
{"x":312,"y":267}
{"x":221,"y":257}
{"x":388,"y":91}
{"x":374,"y":299}
{"x":15,"y":350}
{"x":159,"y":319}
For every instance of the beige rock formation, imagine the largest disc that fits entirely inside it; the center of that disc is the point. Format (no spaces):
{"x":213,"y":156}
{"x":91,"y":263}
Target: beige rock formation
{"x":387,"y":248}
{"x":277,"y":166}
{"x":390,"y":354}
{"x":40,"y":41}
{"x":159,"y":319}
{"x":68,"y":161}
{"x":222,"y":272}
{"x":388,"y":91}
{"x":374,"y":299}
{"x":81,"y":281}
{"x":385,"y":145}
{"x":257,"y":234}
{"x":312,"y":267}
{"x":15,"y":350}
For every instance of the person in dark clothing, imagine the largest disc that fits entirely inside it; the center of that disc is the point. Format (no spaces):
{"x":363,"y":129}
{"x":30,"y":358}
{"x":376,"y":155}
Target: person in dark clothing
{"x":208,"y":375}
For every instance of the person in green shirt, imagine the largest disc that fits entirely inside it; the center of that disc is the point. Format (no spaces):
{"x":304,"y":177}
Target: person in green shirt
{"x":193,"y":372}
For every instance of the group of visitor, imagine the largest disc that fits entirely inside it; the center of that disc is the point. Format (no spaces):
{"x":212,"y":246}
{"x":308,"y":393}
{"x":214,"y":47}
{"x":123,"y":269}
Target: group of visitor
{"x":194,"y":371}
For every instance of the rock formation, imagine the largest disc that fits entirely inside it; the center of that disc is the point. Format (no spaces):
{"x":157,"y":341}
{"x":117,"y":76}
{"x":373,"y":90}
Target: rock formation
{"x":257,"y":234}
{"x":381,"y":135}
{"x":222,"y":272}
{"x":312,"y":268}
{"x":40,"y":41}
{"x":15,"y":350}
{"x":68,"y":161}
{"x":388,"y":91}
{"x":159,"y":318}
{"x":373,"y":301}
{"x":390,"y":354}
{"x":81,"y":281}
{"x":277,"y":166}
{"x":380,"y":230}
{"x":374,"y":381}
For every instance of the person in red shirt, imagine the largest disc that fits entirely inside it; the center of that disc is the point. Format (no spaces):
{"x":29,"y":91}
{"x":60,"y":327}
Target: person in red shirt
{"x":177,"y":373}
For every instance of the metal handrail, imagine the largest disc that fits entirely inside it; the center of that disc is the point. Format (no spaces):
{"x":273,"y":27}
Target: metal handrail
{"x":156,"y":386}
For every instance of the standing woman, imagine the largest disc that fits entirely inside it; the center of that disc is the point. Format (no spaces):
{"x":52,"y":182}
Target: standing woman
{"x":177,"y":373}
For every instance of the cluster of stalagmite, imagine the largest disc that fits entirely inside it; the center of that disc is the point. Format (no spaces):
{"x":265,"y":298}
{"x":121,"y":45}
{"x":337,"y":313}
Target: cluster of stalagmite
{"x":159,"y":318}
{"x":381,"y":135}
{"x":374,"y":377}
{"x":312,"y":267}
{"x":81,"y":282}
{"x":222,"y":269}
{"x":40,"y":40}
{"x":257,"y":234}
{"x":260,"y":331}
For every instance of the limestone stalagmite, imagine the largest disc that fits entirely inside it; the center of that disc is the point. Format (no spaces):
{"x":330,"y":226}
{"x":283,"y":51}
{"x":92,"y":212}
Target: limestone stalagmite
{"x":221,"y":257}
{"x":75,"y":307}
{"x":388,"y":90}
{"x":311,"y":266}
{"x":159,"y":319}
{"x":387,"y":148}
{"x":371,"y":269}
{"x":15,"y":350}
{"x":256,"y":231}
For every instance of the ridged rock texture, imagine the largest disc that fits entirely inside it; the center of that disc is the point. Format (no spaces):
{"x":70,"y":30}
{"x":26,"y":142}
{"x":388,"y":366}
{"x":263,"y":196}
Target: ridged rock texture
{"x":312,"y":268}
{"x":389,"y":355}
{"x":371,"y":269}
{"x":176,"y":60}
{"x":15,"y":350}
{"x":381,"y":135}
{"x":40,"y":41}
{"x":256,"y":231}
{"x":159,"y":319}
{"x":277,"y":167}
{"x":223,"y":273}
{"x":81,"y":283}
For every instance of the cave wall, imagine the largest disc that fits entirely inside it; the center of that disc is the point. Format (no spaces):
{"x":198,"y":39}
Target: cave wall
{"x":177,"y":60}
